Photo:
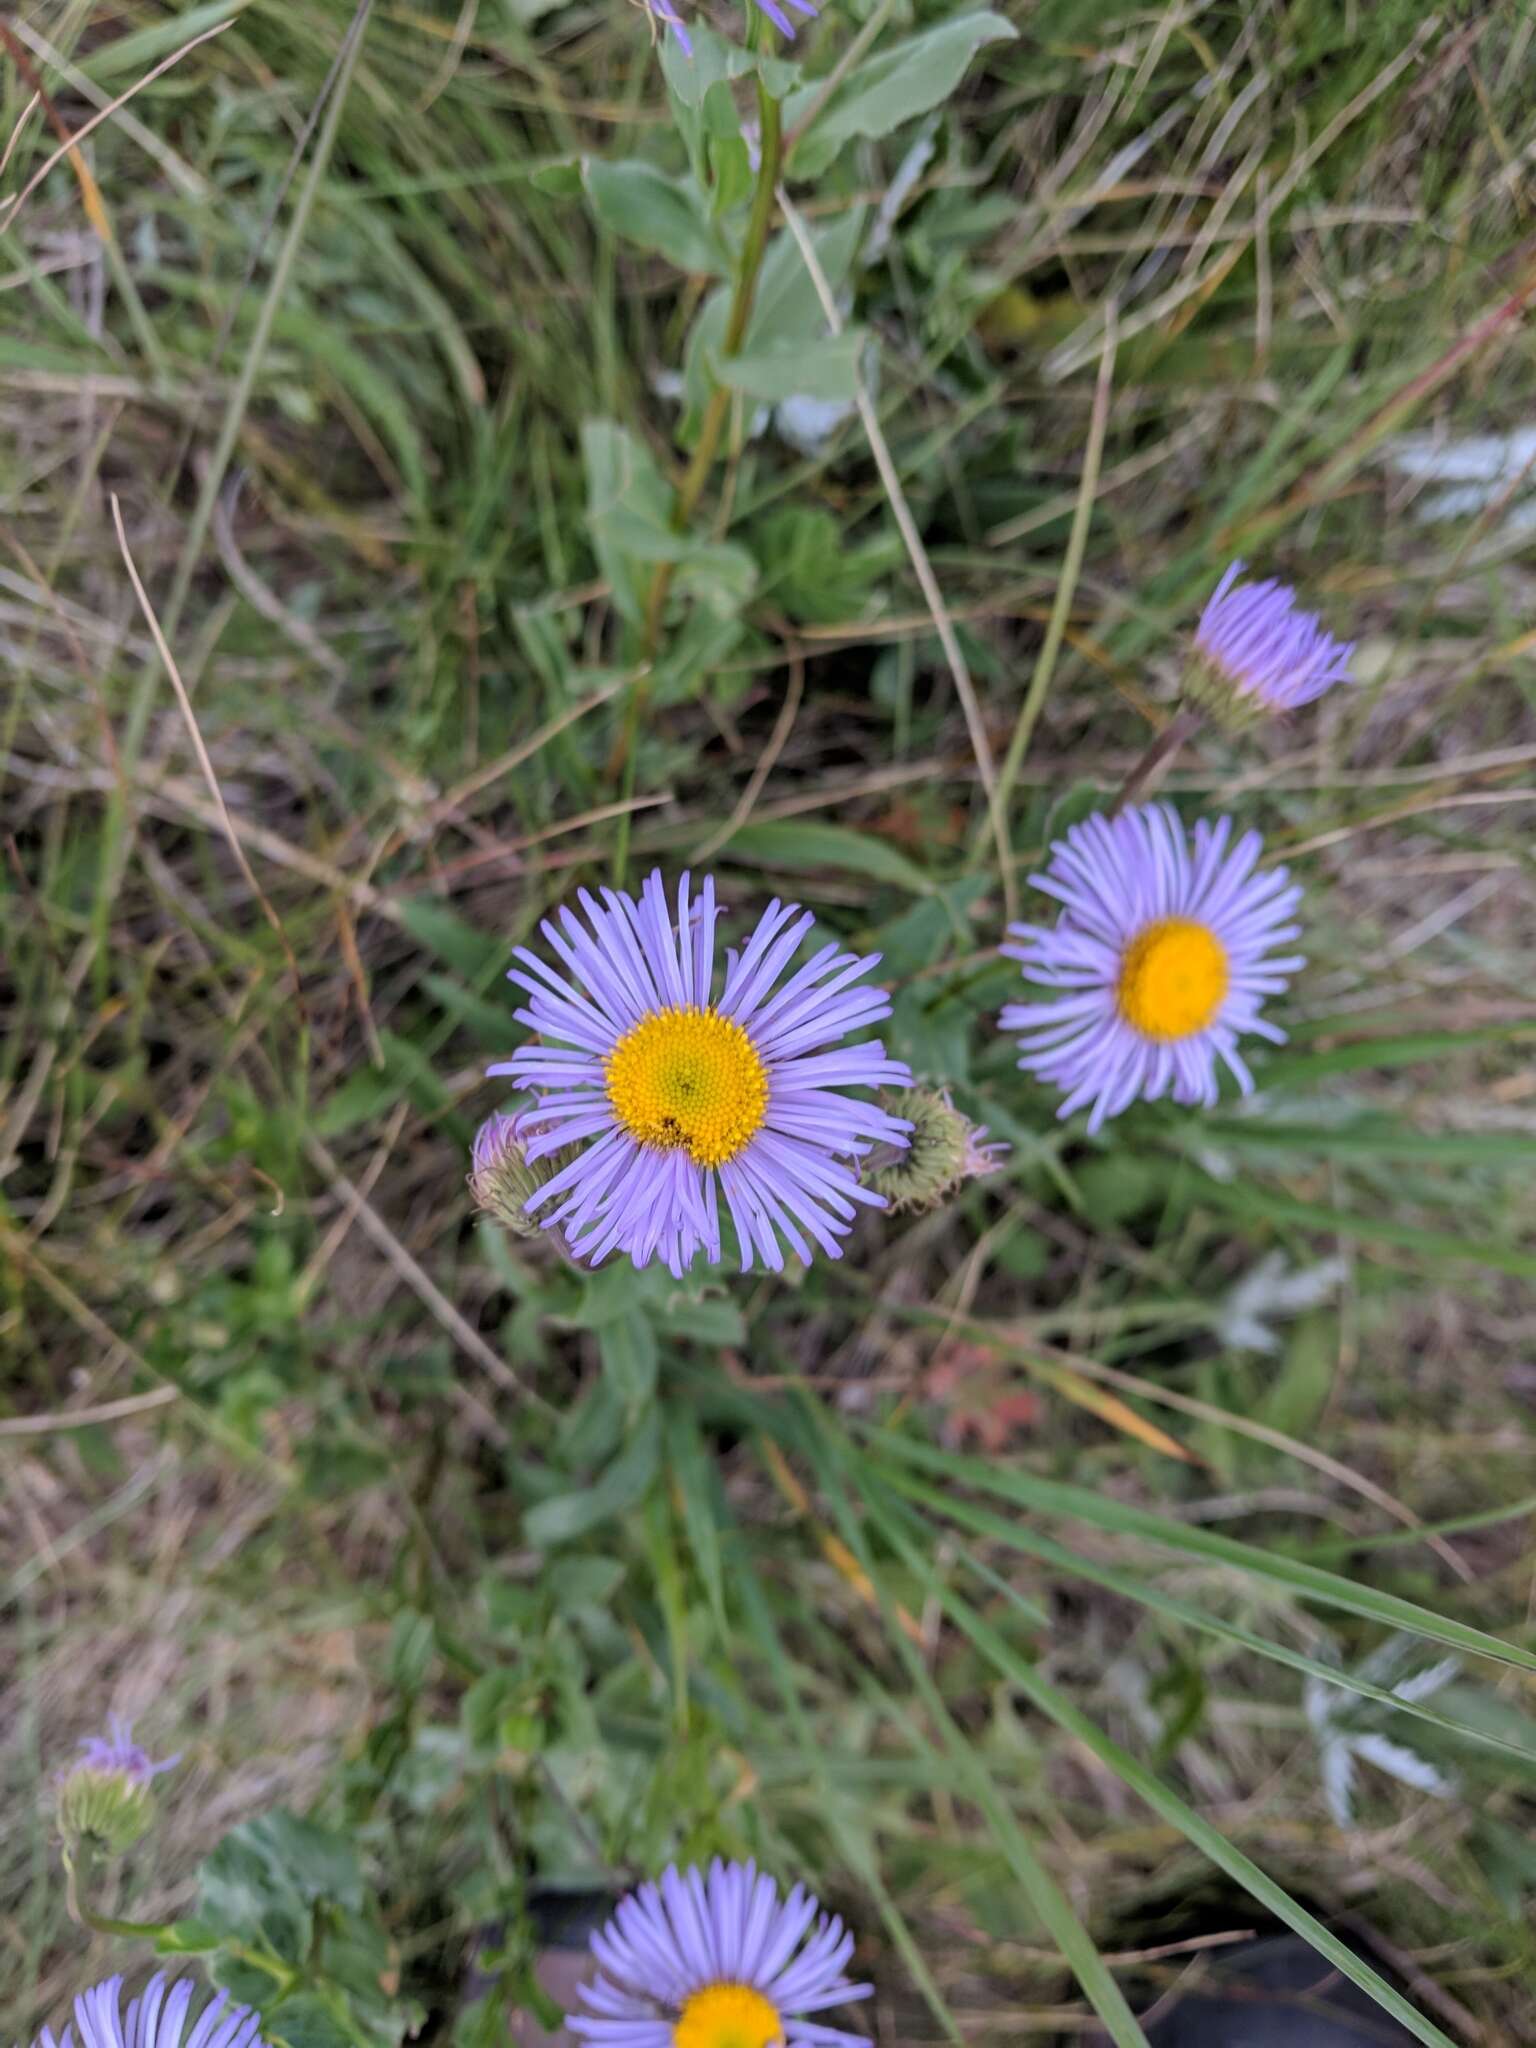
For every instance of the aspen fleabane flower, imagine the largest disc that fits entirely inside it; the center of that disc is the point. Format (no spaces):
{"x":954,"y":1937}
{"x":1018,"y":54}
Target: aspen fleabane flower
{"x":157,"y":2018}
{"x":717,"y":1962}
{"x":1161,"y":958}
{"x":678,"y":1096}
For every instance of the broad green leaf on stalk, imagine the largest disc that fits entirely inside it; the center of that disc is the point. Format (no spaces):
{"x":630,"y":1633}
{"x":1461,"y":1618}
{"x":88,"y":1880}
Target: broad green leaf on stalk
{"x":620,"y":1487}
{"x":715,"y":60}
{"x":828,"y":368}
{"x":786,"y":309}
{"x":261,"y":1882}
{"x":893,"y":86}
{"x":656,"y":212}
{"x":730,"y":163}
{"x":1102,"y":1511}
{"x":1019,"y":1535}
{"x":699,"y":87}
{"x":812,"y":571}
{"x":629,"y":515}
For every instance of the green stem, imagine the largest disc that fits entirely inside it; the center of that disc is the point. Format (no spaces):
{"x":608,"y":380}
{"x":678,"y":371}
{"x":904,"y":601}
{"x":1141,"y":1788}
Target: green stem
{"x":1179,"y":728}
{"x":716,"y":411}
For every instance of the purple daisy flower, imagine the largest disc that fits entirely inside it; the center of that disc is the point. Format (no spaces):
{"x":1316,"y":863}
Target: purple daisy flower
{"x":1261,"y":651}
{"x":712,"y":1962}
{"x":117,"y":1752}
{"x":155,"y":2019}
{"x":677,"y":1096}
{"x":664,"y":12}
{"x":1164,"y":955}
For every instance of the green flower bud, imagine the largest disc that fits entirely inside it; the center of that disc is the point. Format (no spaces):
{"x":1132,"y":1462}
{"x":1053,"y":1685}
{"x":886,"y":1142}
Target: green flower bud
{"x":503,"y":1182}
{"x":105,"y":1801}
{"x":944,"y":1151}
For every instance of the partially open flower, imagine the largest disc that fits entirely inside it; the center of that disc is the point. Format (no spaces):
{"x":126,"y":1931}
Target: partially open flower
{"x":502,"y":1181}
{"x":105,"y":1799}
{"x":944,"y":1151}
{"x":1257,"y":651}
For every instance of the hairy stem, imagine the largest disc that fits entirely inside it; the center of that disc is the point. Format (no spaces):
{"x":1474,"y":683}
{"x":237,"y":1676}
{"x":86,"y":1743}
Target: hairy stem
{"x":1179,"y":728}
{"x":716,"y":411}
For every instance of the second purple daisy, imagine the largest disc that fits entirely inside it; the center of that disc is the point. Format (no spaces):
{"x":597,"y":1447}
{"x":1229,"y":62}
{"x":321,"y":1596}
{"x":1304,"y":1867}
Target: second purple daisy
{"x":678,"y":1096}
{"x":1162,"y":957}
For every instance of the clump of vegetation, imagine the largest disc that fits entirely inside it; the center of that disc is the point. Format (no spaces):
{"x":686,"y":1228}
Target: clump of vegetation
{"x":709,"y":1405}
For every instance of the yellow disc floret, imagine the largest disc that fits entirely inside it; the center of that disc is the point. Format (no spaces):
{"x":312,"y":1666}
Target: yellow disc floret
{"x":691,"y":1078}
{"x":1173,"y":979}
{"x":727,"y":2016}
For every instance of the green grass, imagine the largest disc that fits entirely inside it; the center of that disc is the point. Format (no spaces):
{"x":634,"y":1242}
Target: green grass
{"x":741,"y":1574}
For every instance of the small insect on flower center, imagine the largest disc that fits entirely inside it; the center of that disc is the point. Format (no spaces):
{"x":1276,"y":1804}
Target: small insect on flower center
{"x":727,"y":2016}
{"x":1173,"y":979}
{"x":691,"y":1078}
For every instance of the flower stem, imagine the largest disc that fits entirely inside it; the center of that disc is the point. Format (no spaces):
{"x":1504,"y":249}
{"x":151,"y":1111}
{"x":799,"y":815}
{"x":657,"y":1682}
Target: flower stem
{"x":1179,"y":728}
{"x":711,"y":427}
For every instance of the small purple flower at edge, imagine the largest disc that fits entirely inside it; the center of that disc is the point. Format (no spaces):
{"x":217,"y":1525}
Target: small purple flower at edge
{"x":1262,"y":650}
{"x":666,"y":13}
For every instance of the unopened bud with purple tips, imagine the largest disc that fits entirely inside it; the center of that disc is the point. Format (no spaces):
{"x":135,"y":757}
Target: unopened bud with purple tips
{"x":104,"y":1799}
{"x":501,"y":1180}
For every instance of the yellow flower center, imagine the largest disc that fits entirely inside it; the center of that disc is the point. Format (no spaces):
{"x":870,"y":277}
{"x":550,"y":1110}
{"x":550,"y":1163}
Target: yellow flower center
{"x":1172,"y":979}
{"x":727,"y":2016}
{"x":688,"y":1077}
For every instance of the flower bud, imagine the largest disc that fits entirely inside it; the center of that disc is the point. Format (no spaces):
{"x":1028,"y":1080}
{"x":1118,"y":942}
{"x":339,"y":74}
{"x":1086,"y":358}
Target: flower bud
{"x":502,"y":1181}
{"x":104,"y":1799}
{"x":1256,"y":651}
{"x":944,"y":1151}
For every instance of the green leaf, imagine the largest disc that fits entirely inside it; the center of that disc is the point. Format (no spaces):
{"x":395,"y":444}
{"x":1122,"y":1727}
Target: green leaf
{"x":786,"y":843}
{"x":786,"y":307}
{"x":305,"y":2022}
{"x":713,"y":59}
{"x":472,"y":952}
{"x":647,"y":207}
{"x":260,"y":1884}
{"x":828,"y":368}
{"x":1102,"y":1511}
{"x":893,"y":86}
{"x":1167,"y":1803}
{"x":629,"y":514}
{"x":1249,"y":1199}
{"x":630,"y":1359}
{"x":622,"y":1486}
{"x":693,"y":1477}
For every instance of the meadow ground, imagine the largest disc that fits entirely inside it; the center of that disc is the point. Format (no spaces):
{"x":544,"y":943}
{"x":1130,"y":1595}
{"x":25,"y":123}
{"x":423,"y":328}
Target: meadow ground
{"x":324,"y":310}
